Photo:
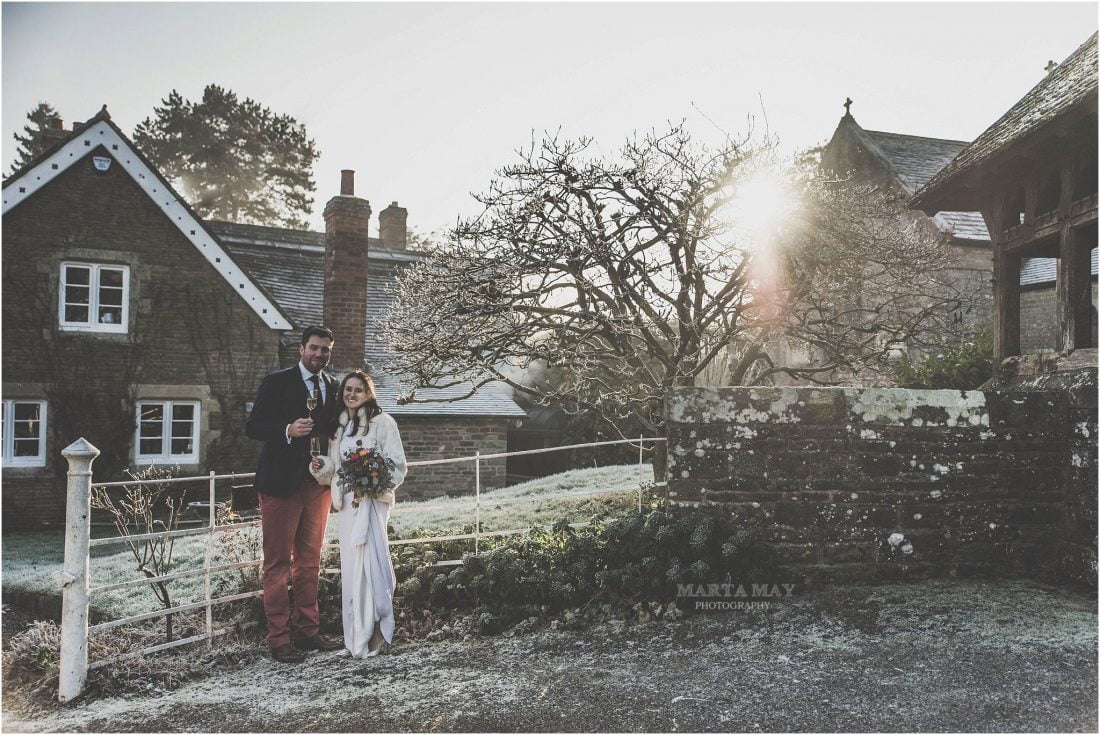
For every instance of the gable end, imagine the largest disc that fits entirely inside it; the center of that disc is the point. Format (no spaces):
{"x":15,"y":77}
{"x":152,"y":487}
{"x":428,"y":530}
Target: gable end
{"x":30,"y":181}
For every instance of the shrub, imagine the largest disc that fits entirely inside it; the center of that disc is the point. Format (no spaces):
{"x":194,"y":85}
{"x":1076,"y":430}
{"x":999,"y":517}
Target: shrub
{"x":641,"y":556}
{"x":962,"y":366}
{"x":148,"y":506}
{"x":33,"y":656}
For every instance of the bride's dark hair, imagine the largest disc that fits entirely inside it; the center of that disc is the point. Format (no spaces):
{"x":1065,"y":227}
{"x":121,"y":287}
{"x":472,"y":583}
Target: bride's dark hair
{"x":371,"y":406}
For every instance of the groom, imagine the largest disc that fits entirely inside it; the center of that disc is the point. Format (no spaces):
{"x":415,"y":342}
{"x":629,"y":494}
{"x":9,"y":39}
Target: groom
{"x":293,"y":507}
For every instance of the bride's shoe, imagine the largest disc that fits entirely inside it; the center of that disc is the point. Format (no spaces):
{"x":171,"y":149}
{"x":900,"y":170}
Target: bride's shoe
{"x":375,"y":651}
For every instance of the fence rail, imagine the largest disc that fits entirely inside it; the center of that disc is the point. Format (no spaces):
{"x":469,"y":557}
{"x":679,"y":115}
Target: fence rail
{"x":75,"y":577}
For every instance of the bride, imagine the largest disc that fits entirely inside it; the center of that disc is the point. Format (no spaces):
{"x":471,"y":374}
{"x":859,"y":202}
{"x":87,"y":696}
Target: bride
{"x":365,"y":566}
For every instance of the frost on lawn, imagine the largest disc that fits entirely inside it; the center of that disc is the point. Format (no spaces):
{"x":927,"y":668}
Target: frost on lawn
{"x":28,"y":558}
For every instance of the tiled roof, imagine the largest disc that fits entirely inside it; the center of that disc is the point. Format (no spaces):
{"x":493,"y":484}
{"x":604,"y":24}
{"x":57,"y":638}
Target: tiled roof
{"x":1037,"y":271}
{"x":1066,"y":86}
{"x":292,"y":276}
{"x":290,"y":266}
{"x":492,"y":399}
{"x":914,"y":160}
{"x":963,"y":225}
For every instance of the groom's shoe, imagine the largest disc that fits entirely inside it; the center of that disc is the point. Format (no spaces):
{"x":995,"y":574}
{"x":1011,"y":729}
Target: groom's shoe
{"x":287,"y":654}
{"x":319,"y":643}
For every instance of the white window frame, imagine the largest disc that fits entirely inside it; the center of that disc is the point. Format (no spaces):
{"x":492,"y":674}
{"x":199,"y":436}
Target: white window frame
{"x":94,"y":280}
{"x":8,"y":429}
{"x":168,"y":411}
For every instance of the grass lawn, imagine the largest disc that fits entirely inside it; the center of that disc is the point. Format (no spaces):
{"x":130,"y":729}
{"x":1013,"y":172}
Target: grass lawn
{"x":29,"y":558}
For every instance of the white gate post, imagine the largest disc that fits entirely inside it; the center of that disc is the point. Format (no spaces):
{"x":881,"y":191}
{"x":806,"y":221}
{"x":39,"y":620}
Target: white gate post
{"x":73,"y":578}
{"x":477,"y":501}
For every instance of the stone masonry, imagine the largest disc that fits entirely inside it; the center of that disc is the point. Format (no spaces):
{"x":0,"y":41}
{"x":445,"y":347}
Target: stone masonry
{"x":888,"y":483}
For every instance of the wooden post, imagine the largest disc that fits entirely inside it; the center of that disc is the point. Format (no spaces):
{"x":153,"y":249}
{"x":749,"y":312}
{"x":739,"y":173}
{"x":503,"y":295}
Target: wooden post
{"x":73,"y":578}
{"x":1006,"y":305}
{"x":1074,"y":300}
{"x":1006,"y":288}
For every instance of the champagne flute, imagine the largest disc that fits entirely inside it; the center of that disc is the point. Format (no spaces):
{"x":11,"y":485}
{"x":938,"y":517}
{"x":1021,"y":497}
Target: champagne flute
{"x":314,"y":442}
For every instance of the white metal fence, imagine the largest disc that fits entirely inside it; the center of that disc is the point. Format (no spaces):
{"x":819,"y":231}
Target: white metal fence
{"x":74,"y":578}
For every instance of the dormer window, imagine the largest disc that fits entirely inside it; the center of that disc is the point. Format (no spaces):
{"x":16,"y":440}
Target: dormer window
{"x":94,"y":297}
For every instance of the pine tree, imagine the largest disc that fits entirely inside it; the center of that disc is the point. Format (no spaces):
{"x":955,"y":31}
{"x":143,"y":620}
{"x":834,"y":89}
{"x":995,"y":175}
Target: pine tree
{"x":34,"y":140}
{"x":232,"y":159}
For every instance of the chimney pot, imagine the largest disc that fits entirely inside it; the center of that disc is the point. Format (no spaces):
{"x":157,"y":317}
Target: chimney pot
{"x":347,"y":182}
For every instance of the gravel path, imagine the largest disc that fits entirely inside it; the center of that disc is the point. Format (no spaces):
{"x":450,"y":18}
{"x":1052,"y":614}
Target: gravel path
{"x":934,"y":656}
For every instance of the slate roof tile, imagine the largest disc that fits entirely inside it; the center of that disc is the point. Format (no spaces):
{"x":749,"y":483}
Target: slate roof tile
{"x":915,"y":160}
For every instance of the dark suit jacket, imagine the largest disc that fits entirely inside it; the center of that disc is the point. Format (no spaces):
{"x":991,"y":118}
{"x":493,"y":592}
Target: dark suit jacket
{"x":280,"y":400}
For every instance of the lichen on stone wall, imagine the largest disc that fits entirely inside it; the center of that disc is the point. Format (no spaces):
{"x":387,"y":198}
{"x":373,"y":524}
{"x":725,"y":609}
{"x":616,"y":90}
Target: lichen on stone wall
{"x":903,"y":406}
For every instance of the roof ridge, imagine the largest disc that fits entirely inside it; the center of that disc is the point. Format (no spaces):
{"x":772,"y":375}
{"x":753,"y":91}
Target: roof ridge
{"x":217,"y":222}
{"x":918,"y":137}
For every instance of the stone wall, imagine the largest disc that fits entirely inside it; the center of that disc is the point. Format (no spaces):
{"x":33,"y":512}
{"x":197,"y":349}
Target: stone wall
{"x":888,"y":483}
{"x":1076,"y":538}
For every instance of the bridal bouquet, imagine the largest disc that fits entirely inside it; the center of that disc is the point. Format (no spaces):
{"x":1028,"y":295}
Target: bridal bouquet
{"x":365,"y":472}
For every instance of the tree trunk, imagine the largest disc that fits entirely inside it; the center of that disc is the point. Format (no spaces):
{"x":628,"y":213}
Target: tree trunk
{"x":660,"y":449}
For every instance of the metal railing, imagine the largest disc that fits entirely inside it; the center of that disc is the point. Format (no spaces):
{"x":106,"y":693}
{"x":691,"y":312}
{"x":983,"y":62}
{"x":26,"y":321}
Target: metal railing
{"x":74,"y":579}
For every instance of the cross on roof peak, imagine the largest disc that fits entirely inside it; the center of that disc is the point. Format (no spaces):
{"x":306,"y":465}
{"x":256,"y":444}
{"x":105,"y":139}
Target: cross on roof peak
{"x":848,"y":106}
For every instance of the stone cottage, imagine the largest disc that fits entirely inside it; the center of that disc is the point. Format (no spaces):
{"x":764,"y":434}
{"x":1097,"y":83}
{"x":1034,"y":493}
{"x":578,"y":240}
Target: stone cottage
{"x":131,"y":321}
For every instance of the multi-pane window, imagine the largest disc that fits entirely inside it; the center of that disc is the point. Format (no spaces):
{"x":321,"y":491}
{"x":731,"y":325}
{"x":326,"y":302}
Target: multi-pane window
{"x":24,"y":433}
{"x":94,"y":297}
{"x":168,"y":431}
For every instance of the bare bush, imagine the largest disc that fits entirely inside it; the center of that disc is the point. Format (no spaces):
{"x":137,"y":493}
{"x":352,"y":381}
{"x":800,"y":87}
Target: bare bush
{"x":147,"y":506}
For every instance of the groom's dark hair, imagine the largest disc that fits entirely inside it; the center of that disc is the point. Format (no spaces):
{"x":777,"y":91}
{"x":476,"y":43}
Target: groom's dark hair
{"x":317,"y":331}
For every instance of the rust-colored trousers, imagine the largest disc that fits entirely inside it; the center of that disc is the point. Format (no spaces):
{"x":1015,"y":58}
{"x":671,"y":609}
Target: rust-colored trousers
{"x":294,"y":529}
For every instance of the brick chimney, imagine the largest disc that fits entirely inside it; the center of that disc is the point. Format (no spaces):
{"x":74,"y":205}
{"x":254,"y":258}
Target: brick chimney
{"x":392,"y":227}
{"x":346,"y":222}
{"x":54,"y":132}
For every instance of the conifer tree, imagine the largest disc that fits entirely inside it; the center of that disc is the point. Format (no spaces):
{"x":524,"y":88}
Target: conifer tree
{"x":34,"y":140}
{"x":232,"y":159}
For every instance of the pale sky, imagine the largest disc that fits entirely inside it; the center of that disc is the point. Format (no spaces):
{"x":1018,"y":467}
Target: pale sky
{"x":426,"y":100}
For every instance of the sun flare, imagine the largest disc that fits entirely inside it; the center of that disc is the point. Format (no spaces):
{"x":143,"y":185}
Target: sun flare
{"x":760,"y":202}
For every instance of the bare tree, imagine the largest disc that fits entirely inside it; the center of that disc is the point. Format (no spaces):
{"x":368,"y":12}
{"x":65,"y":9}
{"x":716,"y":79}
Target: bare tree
{"x":637,"y":275}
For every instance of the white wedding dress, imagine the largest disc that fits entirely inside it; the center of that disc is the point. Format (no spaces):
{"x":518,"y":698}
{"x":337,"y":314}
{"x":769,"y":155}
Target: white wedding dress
{"x":367,"y":577}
